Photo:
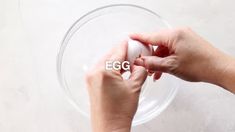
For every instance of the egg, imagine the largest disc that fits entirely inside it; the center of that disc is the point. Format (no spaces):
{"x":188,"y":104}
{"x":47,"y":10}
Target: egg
{"x":137,"y":49}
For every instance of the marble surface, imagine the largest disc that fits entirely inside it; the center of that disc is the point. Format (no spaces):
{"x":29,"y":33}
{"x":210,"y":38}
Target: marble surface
{"x":31,"y":99}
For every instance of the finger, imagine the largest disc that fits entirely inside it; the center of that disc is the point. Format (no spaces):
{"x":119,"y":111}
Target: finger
{"x":119,"y":52}
{"x":156,"y":38}
{"x":139,"y":62}
{"x":150,"y":73}
{"x":138,"y":76}
{"x":157,"y":75}
{"x":154,"y":63}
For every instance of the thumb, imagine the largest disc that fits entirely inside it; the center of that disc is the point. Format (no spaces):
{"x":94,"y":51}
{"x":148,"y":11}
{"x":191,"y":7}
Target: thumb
{"x":154,"y":63}
{"x":138,"y":76}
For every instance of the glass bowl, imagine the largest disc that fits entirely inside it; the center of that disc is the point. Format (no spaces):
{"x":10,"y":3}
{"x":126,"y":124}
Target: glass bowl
{"x":91,"y":36}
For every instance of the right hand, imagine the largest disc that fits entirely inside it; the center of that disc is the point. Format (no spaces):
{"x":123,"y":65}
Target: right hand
{"x":183,"y":53}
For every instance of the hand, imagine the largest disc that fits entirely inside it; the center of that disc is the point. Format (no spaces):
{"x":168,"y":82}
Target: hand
{"x":114,"y":100}
{"x":183,"y":53}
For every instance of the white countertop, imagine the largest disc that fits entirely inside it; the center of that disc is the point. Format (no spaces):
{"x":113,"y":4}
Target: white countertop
{"x":31,"y":99}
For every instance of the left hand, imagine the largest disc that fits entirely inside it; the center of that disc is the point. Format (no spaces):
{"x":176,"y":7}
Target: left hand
{"x":113,"y":99}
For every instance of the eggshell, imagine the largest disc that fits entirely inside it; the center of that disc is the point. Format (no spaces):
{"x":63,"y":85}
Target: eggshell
{"x":137,"y":49}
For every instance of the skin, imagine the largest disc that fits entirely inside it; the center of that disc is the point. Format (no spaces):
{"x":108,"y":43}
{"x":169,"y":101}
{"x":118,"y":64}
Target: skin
{"x":180,"y":52}
{"x":185,"y":54}
{"x":114,"y":100}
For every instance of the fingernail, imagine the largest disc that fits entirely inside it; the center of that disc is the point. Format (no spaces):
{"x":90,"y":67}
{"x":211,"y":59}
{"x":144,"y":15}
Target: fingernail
{"x":139,"y":62}
{"x":150,"y":73}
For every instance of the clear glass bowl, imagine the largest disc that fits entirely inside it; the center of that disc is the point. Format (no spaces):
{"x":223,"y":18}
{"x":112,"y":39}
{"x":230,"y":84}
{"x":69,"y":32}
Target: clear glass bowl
{"x":91,"y":36}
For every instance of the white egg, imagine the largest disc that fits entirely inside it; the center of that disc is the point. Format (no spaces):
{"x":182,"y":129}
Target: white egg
{"x":137,"y":49}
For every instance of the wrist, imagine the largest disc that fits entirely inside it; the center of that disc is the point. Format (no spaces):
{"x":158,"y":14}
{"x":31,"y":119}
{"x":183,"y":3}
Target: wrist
{"x":118,"y":125}
{"x":224,"y":72}
{"x":228,"y":75}
{"x":112,"y":128}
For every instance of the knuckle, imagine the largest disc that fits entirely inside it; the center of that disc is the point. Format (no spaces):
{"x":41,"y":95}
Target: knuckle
{"x":101,"y":74}
{"x":179,"y":33}
{"x":88,"y":76}
{"x":170,"y":65}
{"x":189,"y":29}
{"x":94,"y":74}
{"x":163,"y":65}
{"x":149,"y":64}
{"x":140,"y":35}
{"x":186,"y":28}
{"x":135,"y":85}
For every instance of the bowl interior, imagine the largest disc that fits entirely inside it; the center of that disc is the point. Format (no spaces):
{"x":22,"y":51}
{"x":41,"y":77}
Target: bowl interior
{"x":91,"y":37}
